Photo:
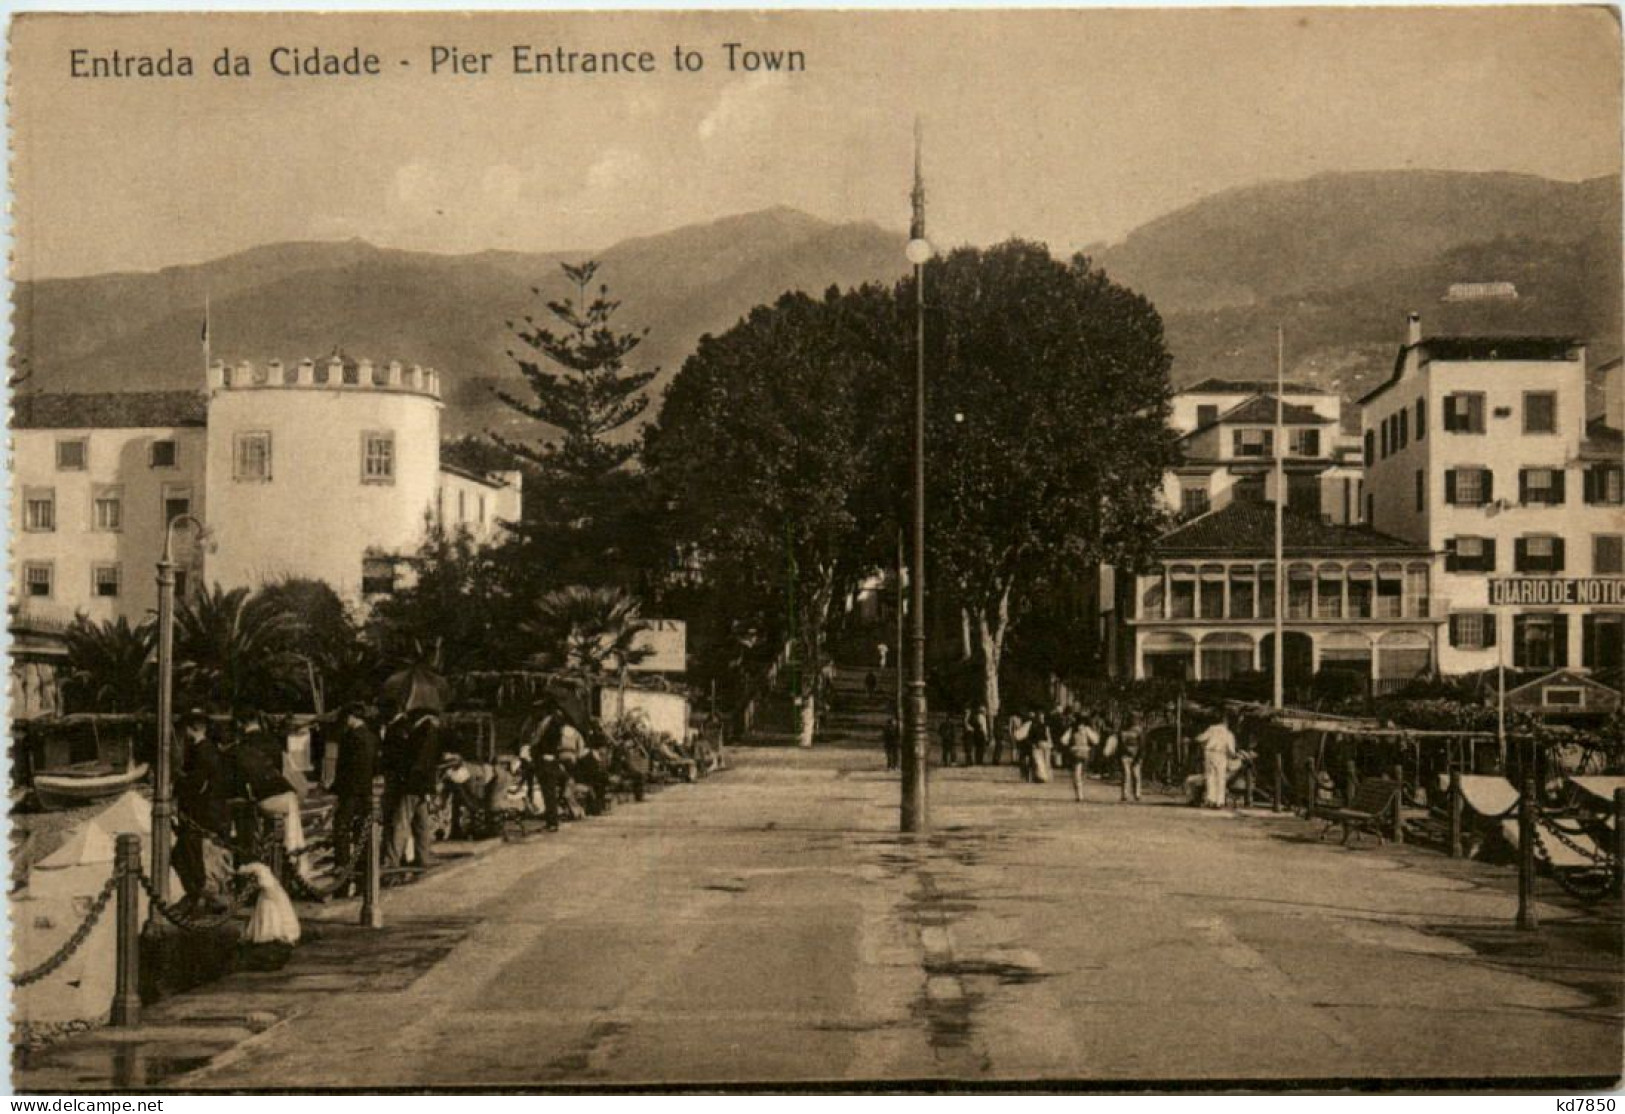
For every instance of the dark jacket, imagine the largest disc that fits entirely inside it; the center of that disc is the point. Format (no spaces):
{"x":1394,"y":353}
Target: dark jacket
{"x":204,"y":789}
{"x":395,"y":752}
{"x":423,"y":744}
{"x":259,"y":768}
{"x":358,"y":762}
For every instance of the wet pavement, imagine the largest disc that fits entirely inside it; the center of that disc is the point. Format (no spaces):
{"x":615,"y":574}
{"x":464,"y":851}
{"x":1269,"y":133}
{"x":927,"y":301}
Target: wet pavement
{"x":769,"y":925}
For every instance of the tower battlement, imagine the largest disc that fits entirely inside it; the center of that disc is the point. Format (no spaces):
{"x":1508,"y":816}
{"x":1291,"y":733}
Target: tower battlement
{"x":333,"y":373}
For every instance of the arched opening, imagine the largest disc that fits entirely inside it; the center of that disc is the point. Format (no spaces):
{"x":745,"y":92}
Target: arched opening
{"x":1297,"y":663}
{"x":1170,"y":655}
{"x":1226,"y":655}
{"x":1402,"y":657}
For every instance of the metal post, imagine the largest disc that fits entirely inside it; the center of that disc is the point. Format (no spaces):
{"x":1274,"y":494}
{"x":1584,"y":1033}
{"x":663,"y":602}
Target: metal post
{"x":897,"y":657}
{"x":1526,"y":857}
{"x":915,"y":804}
{"x":1619,"y":840}
{"x":1278,"y":660}
{"x":162,"y":806}
{"x":1399,"y":805}
{"x":1455,"y":814}
{"x":127,"y":970}
{"x":372,"y":910}
{"x":1280,"y":784}
{"x":1351,"y":783}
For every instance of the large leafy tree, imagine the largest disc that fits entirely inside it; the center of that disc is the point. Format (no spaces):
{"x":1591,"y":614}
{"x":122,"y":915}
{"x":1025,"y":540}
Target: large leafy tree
{"x":767,"y":449}
{"x":583,"y":519}
{"x":458,"y":612}
{"x":1047,"y":430}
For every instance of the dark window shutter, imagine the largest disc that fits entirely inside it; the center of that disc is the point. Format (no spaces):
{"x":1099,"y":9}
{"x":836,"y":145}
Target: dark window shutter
{"x":1455,"y":630}
{"x":1475,"y":413}
{"x":1589,"y":483}
{"x":1520,"y":555}
{"x":1491,"y":621}
{"x":1450,"y":486}
{"x":1560,"y":641}
{"x":1489,"y":486}
{"x":1449,"y":413}
{"x":1523,"y":485}
{"x":1421,"y":418}
{"x":1588,"y":642}
{"x":1520,"y":642}
{"x":1489,"y":555}
{"x":1451,"y":561}
{"x":1557,"y":555}
{"x":1558,"y":475}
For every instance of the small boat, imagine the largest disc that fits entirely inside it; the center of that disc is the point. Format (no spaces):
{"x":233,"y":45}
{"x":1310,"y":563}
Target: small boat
{"x":85,"y":783}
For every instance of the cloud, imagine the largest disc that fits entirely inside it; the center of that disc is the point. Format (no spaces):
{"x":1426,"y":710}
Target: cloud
{"x":744,"y":107}
{"x":615,"y":168}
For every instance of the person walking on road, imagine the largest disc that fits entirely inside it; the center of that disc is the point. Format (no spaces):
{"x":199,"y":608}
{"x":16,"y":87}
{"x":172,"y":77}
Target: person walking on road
{"x":352,"y":783}
{"x":1021,"y":731}
{"x":881,"y":652}
{"x":1218,"y":749}
{"x":1130,"y":747}
{"x":1085,"y":738}
{"x":948,"y":733}
{"x":891,"y":737}
{"x":975,"y":736}
{"x":1042,"y":747}
{"x":420,"y":783}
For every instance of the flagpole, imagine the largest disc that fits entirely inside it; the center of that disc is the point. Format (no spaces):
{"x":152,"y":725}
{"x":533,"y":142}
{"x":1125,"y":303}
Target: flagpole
{"x":1280,"y":502}
{"x":207,"y":338}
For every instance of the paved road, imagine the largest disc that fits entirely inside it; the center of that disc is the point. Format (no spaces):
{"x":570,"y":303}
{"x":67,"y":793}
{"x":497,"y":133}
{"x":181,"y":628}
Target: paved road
{"x":769,"y":925}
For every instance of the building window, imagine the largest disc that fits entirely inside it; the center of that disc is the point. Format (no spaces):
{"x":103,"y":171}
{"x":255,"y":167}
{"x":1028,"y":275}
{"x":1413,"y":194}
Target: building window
{"x":107,"y":508}
{"x":378,"y":457}
{"x":1421,"y":490}
{"x":163,"y":454}
{"x":1383,"y":429}
{"x":1404,"y":430}
{"x":1541,"y":487}
{"x":1464,"y":412}
{"x":1305,"y":442}
{"x":1329,"y":592}
{"x":1603,"y":486}
{"x":1417,"y":599}
{"x":1242,"y":593}
{"x":251,"y":457}
{"x":1540,"y":553}
{"x":1607,"y":554}
{"x":1390,"y":592}
{"x":177,"y":501}
{"x":1360,"y":586}
{"x":462,"y":506}
{"x":71,"y":454}
{"x":1602,"y":641}
{"x":1253,"y":442}
{"x":377,"y":576}
{"x":1421,"y":418}
{"x":1563,"y":696}
{"x":1206,"y":415}
{"x":1469,"y":487}
{"x":104,"y":581}
{"x":1540,"y":641}
{"x":1540,"y":412}
{"x":39,"y":509}
{"x":1248,"y":489}
{"x":1266,"y":592}
{"x":1210,"y":589}
{"x":1469,"y":554}
{"x":1182,"y":592}
{"x":1371,"y":511}
{"x":1300,"y":592}
{"x":1370,"y":446}
{"x":1193,"y":499}
{"x":1472,"y":630}
{"x":38,"y":576}
{"x":482,"y":508}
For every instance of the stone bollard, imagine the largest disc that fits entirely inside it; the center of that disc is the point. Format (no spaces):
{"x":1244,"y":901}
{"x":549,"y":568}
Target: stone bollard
{"x":1456,"y":805}
{"x":1526,"y":857}
{"x":372,"y":910}
{"x":1398,"y":835}
{"x":127,"y":895}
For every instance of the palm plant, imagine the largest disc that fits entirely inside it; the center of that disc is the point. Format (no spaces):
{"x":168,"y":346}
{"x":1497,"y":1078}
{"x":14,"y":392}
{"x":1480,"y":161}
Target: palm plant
{"x":110,"y":665}
{"x":235,"y":648}
{"x":589,"y":631}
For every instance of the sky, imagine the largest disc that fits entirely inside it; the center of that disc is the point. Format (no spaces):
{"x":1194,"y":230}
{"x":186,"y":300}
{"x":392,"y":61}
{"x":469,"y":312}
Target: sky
{"x":1069,"y":127}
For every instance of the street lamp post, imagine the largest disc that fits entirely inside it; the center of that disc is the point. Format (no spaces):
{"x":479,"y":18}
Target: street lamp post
{"x":162,"y":805}
{"x":915,"y":802}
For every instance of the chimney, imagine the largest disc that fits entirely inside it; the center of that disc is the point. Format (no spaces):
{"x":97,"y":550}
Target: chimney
{"x":1413,"y":330}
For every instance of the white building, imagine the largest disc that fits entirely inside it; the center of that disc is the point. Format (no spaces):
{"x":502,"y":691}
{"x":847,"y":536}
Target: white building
{"x":1479,"y":447}
{"x":323,"y":469}
{"x":1227,"y":441}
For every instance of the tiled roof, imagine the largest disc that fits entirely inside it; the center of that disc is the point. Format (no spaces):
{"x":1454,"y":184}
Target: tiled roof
{"x":1249,"y":387}
{"x":109,"y":410}
{"x":1261,"y":408}
{"x":1247,"y":528}
{"x":1602,"y":441}
{"x":1483,"y":347}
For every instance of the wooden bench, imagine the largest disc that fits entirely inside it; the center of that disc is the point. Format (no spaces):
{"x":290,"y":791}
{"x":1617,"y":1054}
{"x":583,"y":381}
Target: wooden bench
{"x":1370,"y":809}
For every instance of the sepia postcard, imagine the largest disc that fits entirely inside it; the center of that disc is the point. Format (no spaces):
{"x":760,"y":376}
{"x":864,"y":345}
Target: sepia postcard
{"x":807,"y":550}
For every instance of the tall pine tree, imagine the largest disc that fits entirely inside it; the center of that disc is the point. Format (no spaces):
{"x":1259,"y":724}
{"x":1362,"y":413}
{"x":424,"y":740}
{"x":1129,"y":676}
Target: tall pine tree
{"x":586,"y":524}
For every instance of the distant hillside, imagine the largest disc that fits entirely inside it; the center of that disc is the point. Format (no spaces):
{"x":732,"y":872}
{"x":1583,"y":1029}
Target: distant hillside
{"x":293,"y":300}
{"x":1249,"y":245}
{"x":1338,"y":260}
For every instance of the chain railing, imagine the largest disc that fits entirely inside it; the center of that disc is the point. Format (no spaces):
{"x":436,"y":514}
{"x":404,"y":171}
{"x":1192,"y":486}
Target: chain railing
{"x":73,"y":942}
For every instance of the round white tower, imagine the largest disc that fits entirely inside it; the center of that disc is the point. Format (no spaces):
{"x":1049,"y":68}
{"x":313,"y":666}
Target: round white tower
{"x":319,"y":469}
